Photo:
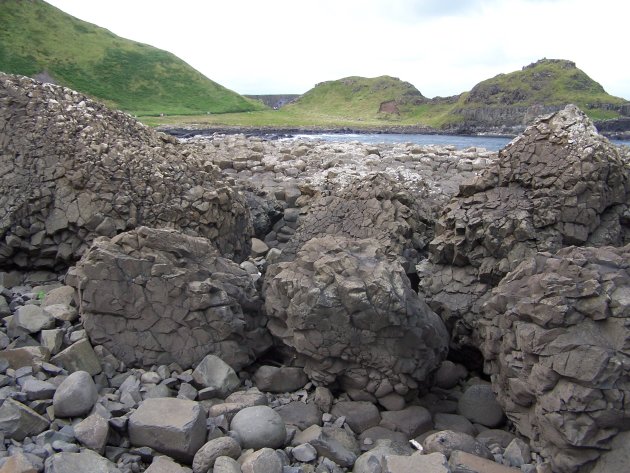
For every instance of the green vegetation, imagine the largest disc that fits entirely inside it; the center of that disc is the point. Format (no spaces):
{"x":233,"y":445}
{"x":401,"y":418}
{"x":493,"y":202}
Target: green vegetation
{"x":38,"y":38}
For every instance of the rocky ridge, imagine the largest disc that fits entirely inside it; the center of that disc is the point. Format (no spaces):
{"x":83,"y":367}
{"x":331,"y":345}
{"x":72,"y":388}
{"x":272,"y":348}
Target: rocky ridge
{"x":70,"y":404}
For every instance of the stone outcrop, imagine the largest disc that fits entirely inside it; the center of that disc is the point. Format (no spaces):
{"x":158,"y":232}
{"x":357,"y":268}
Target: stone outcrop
{"x":154,"y":296}
{"x":558,"y":184}
{"x":350,"y":311}
{"x":556,"y":336}
{"x":72,"y":170}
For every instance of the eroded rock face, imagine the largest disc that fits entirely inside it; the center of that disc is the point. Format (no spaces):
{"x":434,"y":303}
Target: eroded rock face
{"x":558,"y":184}
{"x":350,"y":311}
{"x":556,"y":337}
{"x":156,"y":296}
{"x":72,"y":170}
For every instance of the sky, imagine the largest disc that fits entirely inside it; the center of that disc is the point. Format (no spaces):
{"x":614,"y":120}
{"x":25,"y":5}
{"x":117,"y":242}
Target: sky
{"x":443,"y":47}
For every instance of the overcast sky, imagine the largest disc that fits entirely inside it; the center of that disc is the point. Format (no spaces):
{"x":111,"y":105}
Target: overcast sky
{"x":443,"y":47}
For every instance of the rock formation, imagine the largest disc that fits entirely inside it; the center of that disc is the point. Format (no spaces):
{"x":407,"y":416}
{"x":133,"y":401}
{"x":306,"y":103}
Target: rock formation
{"x":158,"y":296}
{"x":558,"y":184}
{"x":556,"y":340}
{"x":350,"y":311}
{"x":72,"y":170}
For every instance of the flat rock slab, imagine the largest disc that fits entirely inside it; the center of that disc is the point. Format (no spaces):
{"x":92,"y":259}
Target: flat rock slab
{"x":432,"y":463}
{"x":176,"y":427}
{"x":85,"y":461}
{"x":165,"y":465}
{"x":18,"y":421}
{"x":25,"y":356}
{"x":79,"y":356}
{"x":300,"y":414}
{"x":462,"y":462}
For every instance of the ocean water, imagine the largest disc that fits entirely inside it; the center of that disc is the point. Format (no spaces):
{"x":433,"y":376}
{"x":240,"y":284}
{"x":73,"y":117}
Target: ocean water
{"x":491,"y":143}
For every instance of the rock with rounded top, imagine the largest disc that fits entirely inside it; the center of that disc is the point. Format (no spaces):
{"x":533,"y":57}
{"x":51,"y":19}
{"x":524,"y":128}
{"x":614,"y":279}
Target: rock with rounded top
{"x":206,"y":456}
{"x":479,"y":404}
{"x":75,"y":396}
{"x":430,"y":463}
{"x":449,"y":374}
{"x":259,"y":427}
{"x":265,"y":460}
{"x":279,"y":379}
{"x":87,"y":460}
{"x":304,"y":453}
{"x":336,"y":444}
{"x":371,"y":461}
{"x":164,"y":464}
{"x":226,"y":465}
{"x":447,"y":441}
{"x":212,"y":372}
{"x":176,"y":427}
{"x":360,"y":415}
{"x":455,"y":422}
{"x":411,"y":421}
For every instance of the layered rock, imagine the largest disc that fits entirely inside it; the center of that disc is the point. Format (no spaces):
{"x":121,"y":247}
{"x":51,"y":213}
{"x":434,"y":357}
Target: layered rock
{"x":558,"y":184}
{"x":154,"y":296}
{"x":71,"y":170}
{"x":350,"y":311}
{"x":556,"y":336}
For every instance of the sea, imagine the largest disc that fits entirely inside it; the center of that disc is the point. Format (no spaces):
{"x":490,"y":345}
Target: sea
{"x":491,"y":143}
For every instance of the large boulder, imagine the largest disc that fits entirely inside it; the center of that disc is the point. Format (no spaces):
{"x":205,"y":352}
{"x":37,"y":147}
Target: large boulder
{"x":156,"y":296}
{"x":556,"y":337}
{"x":558,"y":184}
{"x":350,"y":311}
{"x":72,"y":170}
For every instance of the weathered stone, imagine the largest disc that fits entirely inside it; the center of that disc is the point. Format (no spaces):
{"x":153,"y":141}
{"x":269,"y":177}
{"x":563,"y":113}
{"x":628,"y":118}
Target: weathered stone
{"x":36,"y":389}
{"x":226,"y":465}
{"x":75,"y":395}
{"x":18,"y":421}
{"x":372,"y":460}
{"x":27,"y":356}
{"x":176,"y":427}
{"x":479,"y":404}
{"x":79,"y":356}
{"x":259,"y":248}
{"x":84,"y":461}
{"x":52,"y":340}
{"x":304,"y":453}
{"x":93,"y":432}
{"x":30,"y":319}
{"x":213,"y":449}
{"x":168,"y":297}
{"x":336,"y":444}
{"x":411,"y":421}
{"x":464,"y":462}
{"x":300,"y":414}
{"x":63,"y":312}
{"x":99,"y":172}
{"x":335,"y":299}
{"x":453,"y":422}
{"x":447,"y":441}
{"x":431,"y":463}
{"x":259,"y":427}
{"x":164,"y":464}
{"x":360,"y":415}
{"x":279,"y":379}
{"x":449,"y":374}
{"x":212,"y":372}
{"x":265,"y":460}
{"x":18,"y":463}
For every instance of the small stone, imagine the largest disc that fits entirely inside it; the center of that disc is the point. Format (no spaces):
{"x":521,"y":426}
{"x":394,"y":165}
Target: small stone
{"x":206,"y":456}
{"x":75,"y":395}
{"x":323,"y":398}
{"x":259,"y":248}
{"x":304,"y":452}
{"x":52,"y":340}
{"x":259,"y":427}
{"x":517,"y":453}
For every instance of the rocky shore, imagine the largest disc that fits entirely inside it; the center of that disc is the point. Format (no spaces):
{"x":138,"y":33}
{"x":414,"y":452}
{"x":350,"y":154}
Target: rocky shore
{"x":232,"y":304}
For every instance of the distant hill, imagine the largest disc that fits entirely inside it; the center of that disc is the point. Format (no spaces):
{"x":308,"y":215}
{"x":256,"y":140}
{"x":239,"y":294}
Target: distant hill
{"x":37,"y":39}
{"x":359,"y":97}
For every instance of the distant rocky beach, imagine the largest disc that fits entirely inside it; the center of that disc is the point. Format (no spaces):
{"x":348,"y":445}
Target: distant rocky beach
{"x":235,"y":304}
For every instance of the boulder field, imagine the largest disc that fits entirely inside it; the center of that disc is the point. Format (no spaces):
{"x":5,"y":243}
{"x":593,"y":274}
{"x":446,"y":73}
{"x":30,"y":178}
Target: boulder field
{"x":233,"y":305}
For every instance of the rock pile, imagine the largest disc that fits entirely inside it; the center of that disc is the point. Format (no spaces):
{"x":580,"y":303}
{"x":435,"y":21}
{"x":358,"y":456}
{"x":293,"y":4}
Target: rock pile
{"x":351,"y":312}
{"x":154,"y":296}
{"x":71,"y":170}
{"x":558,"y":184}
{"x":556,"y":337}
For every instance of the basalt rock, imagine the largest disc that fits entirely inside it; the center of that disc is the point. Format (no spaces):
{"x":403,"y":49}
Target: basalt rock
{"x":72,"y":170}
{"x":556,"y":337}
{"x":156,"y":296}
{"x":350,"y":311}
{"x":558,"y":184}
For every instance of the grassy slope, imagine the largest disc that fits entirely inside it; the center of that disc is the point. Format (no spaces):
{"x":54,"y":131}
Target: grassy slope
{"x":354,"y":101}
{"x":135,"y":77}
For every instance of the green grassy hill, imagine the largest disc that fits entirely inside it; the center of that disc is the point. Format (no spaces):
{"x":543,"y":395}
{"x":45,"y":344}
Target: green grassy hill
{"x":382,"y":98}
{"x":36,"y":38}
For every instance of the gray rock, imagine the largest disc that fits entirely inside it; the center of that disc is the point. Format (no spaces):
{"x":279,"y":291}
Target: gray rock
{"x":265,"y":460}
{"x":30,"y":319}
{"x":18,"y":421}
{"x":259,"y":427}
{"x":336,"y":320}
{"x":323,"y":398}
{"x":360,"y":415}
{"x":411,"y":421}
{"x":449,"y":374}
{"x":517,"y":453}
{"x":392,"y":402}
{"x":495,"y":436}
{"x":63,"y":295}
{"x":26,"y":356}
{"x":93,"y":432}
{"x":164,"y":464}
{"x":337,"y":445}
{"x":220,"y":447}
{"x":18,"y":462}
{"x":79,"y":356}
{"x":74,"y":462}
{"x":36,"y":389}
{"x":431,"y":463}
{"x":617,"y":458}
{"x":279,"y":379}
{"x":464,"y":462}
{"x":479,"y":404}
{"x":226,"y":465}
{"x":176,"y":427}
{"x":191,"y":301}
{"x":304,"y":453}
{"x":75,"y":395}
{"x":52,"y":340}
{"x":212,"y":372}
{"x":372,"y":460}
{"x":259,"y":248}
{"x":374,"y":434}
{"x":300,"y":414}
{"x":447,"y":441}
{"x":63,"y":312}
{"x":453,"y":422}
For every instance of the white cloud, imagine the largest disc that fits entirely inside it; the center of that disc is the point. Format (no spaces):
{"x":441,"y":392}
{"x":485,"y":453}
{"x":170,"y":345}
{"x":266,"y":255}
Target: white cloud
{"x":443,"y":47}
